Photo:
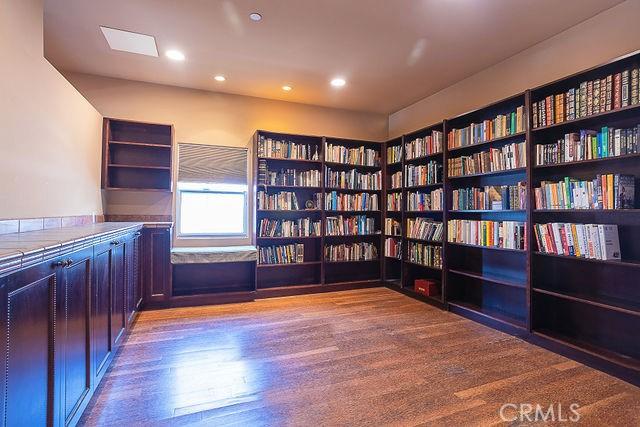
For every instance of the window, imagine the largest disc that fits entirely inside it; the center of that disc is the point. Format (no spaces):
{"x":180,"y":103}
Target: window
{"x":212,"y":191}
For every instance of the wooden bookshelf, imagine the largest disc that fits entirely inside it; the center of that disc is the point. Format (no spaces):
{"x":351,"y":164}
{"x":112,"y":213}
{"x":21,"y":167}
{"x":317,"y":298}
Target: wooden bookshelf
{"x":136,"y":156}
{"x":589,"y":306}
{"x":315,"y":274}
{"x":392,"y":265}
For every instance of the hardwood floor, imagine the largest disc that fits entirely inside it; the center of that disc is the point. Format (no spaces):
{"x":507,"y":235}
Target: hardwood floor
{"x":364,"y":357}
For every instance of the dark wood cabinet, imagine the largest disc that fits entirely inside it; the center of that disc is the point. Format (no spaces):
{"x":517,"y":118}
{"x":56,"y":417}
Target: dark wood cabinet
{"x":157,"y":265}
{"x":134,"y":280}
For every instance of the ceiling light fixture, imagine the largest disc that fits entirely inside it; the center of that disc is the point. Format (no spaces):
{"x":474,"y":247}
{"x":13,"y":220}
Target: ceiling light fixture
{"x":220,"y":78}
{"x":286,"y":88}
{"x":255,"y":17}
{"x":175,"y":55}
{"x":338,"y":82}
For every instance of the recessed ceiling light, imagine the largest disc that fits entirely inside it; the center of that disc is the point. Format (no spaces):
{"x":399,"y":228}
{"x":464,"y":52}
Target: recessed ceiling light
{"x":255,"y":16}
{"x":220,"y":78}
{"x":286,"y":88}
{"x":126,"y":41}
{"x":176,"y":55}
{"x":338,"y":82}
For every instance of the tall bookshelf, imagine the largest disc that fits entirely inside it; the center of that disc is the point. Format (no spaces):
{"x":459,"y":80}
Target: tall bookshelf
{"x":592,"y":306}
{"x":393,"y":212}
{"x":488,"y":282}
{"x":314,"y":272}
{"x":413,"y":268}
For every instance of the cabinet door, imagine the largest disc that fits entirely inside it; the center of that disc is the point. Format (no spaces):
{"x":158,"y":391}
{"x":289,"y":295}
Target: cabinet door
{"x":101,"y":310}
{"x":75,"y":322}
{"x":31,"y":301}
{"x":137,"y":270}
{"x":132,"y":286}
{"x":157,"y":264}
{"x":118,"y":281}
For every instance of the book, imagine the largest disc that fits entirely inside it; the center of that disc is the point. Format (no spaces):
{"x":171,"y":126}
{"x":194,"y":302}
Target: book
{"x":593,"y":241}
{"x":624,"y":88}
{"x":607,"y":191}
{"x":351,"y":252}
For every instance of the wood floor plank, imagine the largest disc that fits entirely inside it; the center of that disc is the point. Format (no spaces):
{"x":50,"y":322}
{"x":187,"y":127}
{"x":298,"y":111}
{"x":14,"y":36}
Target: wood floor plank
{"x":363,"y":357}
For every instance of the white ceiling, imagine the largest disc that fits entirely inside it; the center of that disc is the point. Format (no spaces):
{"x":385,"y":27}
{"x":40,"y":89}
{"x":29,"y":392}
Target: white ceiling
{"x":392,"y":52}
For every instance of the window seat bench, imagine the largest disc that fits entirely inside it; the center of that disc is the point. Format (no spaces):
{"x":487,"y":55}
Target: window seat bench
{"x":211,"y":275}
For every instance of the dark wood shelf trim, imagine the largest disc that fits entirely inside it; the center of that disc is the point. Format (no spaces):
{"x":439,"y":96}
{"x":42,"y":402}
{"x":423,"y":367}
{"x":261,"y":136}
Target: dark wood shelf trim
{"x":494,"y":173}
{"x":432,"y":242}
{"x":140,"y":144}
{"x":159,"y":190}
{"x":425,"y":157}
{"x":489,"y":314}
{"x":287,"y":238}
{"x":423,"y":265}
{"x":484,"y":143}
{"x":351,"y":166}
{"x":292,"y":264}
{"x":489,"y":211}
{"x":294,"y":187}
{"x":588,"y":161}
{"x":422,"y":187}
{"x":352,"y":190}
{"x":494,"y":248}
{"x":352,"y":261}
{"x":282,"y":159}
{"x":591,"y":117}
{"x":623,"y":263}
{"x":161,"y":168}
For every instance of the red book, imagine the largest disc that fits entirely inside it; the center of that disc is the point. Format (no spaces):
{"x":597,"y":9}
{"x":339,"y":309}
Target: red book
{"x":426,"y":287}
{"x":563,"y":238}
{"x":617,"y":89}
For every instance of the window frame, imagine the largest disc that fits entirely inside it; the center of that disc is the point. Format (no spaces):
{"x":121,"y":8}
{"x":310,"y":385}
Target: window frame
{"x":245,"y":214}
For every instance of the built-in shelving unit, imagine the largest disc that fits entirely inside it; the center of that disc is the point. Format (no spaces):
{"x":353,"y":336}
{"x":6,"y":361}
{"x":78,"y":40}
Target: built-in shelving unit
{"x":137,"y":156}
{"x":315,"y":273}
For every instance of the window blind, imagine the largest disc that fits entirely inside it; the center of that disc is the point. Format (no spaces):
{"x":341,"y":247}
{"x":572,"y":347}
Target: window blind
{"x":212,"y":163}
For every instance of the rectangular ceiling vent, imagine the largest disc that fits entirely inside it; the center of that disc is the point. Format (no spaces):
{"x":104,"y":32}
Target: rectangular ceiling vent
{"x":126,"y":41}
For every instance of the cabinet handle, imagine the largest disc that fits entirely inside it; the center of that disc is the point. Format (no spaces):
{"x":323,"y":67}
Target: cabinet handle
{"x":58,"y":264}
{"x":68,"y":262}
{"x":115,"y":242}
{"x":138,"y":234}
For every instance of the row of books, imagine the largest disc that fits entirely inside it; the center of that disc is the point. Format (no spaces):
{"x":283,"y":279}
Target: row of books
{"x":283,"y":201}
{"x":424,"y":229}
{"x":428,"y":255}
{"x":420,"y":147}
{"x":491,"y":197}
{"x":392,"y":227}
{"x":510,"y":156}
{"x":589,"y":97}
{"x":394,"y":202}
{"x":282,"y":149}
{"x":360,"y":156}
{"x":588,"y":145}
{"x":501,"y":126}
{"x":354,"y":180}
{"x":431,"y":173}
{"x":593,"y":241}
{"x":432,"y":201}
{"x":603,"y":192}
{"x":394,"y":154}
{"x":335,"y":201}
{"x":362,"y":251}
{"x":350,"y":226}
{"x":281,"y":254}
{"x":393,"y":248}
{"x":307,"y":178}
{"x":396,"y":180}
{"x":300,"y":227}
{"x":497,"y":234}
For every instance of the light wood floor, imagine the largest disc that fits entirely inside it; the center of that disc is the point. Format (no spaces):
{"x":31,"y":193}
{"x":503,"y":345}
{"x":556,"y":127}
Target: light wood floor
{"x":366,"y":357}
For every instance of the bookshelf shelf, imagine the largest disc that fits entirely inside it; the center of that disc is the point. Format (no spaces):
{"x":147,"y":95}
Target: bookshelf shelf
{"x":287,"y":238}
{"x":351,"y":190}
{"x":140,"y":144}
{"x":289,"y":187}
{"x":291,"y":264}
{"x":283,"y":159}
{"x":492,"y":315}
{"x":352,"y":261}
{"x":431,"y":242}
{"x":114,"y":165}
{"x":487,"y":211}
{"x":421,"y":159}
{"x":611,"y":304}
{"x":424,"y":186}
{"x":486,"y":143}
{"x":431,"y":267}
{"x":489,"y":278}
{"x":351,"y":166}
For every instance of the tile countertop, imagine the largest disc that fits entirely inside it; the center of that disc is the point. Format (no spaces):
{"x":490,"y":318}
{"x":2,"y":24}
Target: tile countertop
{"x":34,"y":246}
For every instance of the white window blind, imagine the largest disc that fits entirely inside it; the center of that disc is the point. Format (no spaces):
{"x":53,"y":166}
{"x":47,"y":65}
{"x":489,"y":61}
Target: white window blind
{"x":212,"y":163}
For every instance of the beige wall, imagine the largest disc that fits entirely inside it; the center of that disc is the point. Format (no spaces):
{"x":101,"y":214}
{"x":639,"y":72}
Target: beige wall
{"x":50,"y":135}
{"x":607,"y":35}
{"x":212,"y":118}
